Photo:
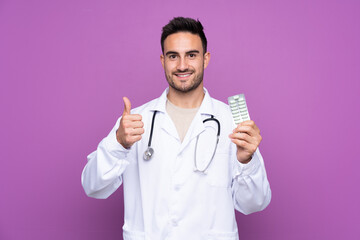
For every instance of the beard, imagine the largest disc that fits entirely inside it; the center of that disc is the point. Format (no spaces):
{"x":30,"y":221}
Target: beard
{"x":194,"y":82}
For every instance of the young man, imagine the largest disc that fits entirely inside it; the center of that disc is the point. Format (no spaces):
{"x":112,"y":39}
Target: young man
{"x":188,"y":186}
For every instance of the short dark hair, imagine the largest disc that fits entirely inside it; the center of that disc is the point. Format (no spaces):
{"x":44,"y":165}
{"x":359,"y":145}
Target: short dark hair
{"x":181,"y":24}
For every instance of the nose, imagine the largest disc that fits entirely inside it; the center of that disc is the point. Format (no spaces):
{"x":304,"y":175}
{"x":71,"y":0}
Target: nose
{"x":182,"y":64}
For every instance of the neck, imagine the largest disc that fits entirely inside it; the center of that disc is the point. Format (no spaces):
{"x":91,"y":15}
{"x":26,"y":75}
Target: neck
{"x":192,"y":99}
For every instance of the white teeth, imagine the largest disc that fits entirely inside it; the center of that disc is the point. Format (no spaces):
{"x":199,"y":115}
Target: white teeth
{"x":183,"y":75}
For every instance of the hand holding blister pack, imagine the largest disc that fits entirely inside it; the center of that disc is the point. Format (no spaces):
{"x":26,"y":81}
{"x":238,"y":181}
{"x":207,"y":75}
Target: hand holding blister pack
{"x":238,"y":108}
{"x":240,"y":114}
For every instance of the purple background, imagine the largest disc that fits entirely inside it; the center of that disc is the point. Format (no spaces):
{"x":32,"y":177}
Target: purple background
{"x":65,"y":65}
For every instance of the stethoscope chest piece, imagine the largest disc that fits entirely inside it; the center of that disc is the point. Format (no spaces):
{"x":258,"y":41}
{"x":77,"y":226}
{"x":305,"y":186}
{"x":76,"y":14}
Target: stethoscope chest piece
{"x":148,"y":153}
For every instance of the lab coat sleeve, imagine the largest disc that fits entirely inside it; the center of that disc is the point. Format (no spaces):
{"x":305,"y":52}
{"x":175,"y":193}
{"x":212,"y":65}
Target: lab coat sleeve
{"x":102,"y":174}
{"x":250,"y":187}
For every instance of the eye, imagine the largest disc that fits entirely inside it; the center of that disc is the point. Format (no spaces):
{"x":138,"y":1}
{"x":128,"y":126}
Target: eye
{"x":192,"y":55}
{"x":172,"y":57}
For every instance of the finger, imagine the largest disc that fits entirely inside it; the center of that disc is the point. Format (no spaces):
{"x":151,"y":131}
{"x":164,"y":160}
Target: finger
{"x":132,"y":117}
{"x":137,"y":131}
{"x":245,"y":129}
{"x":130,"y":140}
{"x":240,"y":143}
{"x":243,"y":136}
{"x":128,"y":125}
{"x":245,"y":145}
{"x":136,"y":124}
{"x":250,"y":123}
{"x":251,"y":139}
{"x":135,"y":138}
{"x":127,"y":106}
{"x":247,"y":123}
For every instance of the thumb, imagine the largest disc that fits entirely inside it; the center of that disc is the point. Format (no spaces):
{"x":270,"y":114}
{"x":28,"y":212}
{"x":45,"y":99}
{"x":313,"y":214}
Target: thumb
{"x":127,"y":106}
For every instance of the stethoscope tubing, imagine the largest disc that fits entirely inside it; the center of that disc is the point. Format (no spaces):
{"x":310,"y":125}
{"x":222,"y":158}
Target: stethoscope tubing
{"x":150,"y":151}
{"x":152,"y":128}
{"x":217,"y":121}
{"x":213,"y":154}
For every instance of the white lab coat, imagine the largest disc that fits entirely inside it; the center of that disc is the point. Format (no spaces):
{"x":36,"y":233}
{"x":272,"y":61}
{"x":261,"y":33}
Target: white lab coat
{"x":165,"y":198}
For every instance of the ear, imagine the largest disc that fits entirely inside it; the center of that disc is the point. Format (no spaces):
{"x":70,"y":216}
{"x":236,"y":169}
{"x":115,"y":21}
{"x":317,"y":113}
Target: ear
{"x":206,"y":59}
{"x":162,"y":59}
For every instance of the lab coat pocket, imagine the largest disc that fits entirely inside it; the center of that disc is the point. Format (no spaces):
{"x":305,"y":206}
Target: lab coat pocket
{"x":133,"y":235}
{"x":222,"y":236}
{"x":218,"y":174}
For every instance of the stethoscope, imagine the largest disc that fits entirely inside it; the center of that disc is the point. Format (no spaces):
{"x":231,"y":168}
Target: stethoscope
{"x":149,"y":152}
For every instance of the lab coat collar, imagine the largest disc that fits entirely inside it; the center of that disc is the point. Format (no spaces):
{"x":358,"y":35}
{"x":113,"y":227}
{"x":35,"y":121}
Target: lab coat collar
{"x":206,"y":106}
{"x":196,"y":127}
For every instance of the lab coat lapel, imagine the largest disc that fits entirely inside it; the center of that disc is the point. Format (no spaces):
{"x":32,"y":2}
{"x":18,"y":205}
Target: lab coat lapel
{"x":164,"y":119}
{"x":197,"y":125}
{"x":168,"y":126}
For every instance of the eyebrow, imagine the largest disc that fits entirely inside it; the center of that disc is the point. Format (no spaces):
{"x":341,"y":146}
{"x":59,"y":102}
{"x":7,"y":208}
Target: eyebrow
{"x":170,"y":52}
{"x":192,"y":51}
{"x":188,"y":52}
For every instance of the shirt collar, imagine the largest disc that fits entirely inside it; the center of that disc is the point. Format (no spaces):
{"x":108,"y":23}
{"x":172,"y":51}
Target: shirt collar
{"x":206,"y":107}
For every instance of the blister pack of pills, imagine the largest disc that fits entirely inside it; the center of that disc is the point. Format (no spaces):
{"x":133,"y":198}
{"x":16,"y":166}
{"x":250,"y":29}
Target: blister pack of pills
{"x":238,"y":108}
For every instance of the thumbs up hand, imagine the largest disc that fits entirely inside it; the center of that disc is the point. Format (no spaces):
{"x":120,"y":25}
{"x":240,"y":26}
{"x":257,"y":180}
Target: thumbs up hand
{"x":131,"y":127}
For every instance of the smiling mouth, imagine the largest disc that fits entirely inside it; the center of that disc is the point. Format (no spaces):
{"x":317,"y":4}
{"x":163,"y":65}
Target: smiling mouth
{"x":182,"y":75}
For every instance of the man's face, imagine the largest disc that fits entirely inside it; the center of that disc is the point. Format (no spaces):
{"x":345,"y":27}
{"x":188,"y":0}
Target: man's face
{"x":184,"y":61}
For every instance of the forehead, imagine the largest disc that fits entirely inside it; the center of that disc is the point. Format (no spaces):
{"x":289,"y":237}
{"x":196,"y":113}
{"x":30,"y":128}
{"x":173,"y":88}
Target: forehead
{"x":182,"y":42}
